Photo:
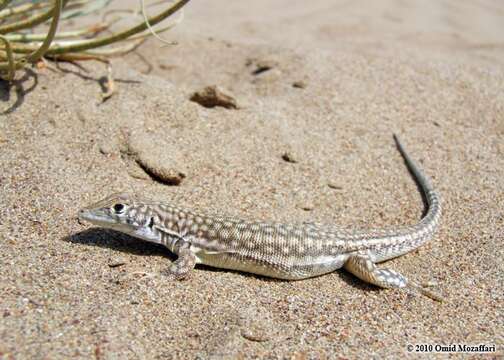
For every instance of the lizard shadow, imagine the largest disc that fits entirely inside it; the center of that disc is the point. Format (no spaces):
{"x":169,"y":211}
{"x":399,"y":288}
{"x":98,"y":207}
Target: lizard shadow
{"x":348,"y":278}
{"x":118,"y":241}
{"x":355,"y":282}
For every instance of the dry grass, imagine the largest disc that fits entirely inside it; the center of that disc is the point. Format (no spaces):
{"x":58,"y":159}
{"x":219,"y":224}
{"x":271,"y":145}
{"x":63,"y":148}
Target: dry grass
{"x":21,"y":44}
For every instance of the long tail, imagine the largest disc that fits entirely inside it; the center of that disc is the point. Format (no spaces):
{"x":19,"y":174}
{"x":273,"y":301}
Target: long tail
{"x":395,"y":242}
{"x":433,"y":199}
{"x":388,"y":243}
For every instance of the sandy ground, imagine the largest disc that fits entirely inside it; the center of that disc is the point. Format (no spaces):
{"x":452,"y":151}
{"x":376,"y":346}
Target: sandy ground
{"x":342,"y":77}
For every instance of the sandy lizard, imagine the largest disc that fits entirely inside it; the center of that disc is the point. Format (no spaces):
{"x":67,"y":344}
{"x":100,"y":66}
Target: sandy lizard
{"x":277,"y":250}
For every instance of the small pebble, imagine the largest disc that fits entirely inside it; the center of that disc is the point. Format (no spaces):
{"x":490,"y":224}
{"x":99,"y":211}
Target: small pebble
{"x":299,"y":84}
{"x":335,"y":186}
{"x":116,"y":263}
{"x":106,"y":149}
{"x":287,"y":156}
{"x":253,"y":333}
{"x":213,"y":96}
{"x":307,"y":207}
{"x":262,"y":66}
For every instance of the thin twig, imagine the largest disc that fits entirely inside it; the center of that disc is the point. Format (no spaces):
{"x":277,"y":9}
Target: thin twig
{"x":110,"y":84}
{"x":4,"y":4}
{"x":90,"y":44}
{"x":152,"y":31}
{"x":62,"y":46}
{"x":159,"y":31}
{"x":117,"y":51}
{"x":96,"y":54}
{"x":21,"y":9}
{"x":61,"y":35}
{"x":28,"y":23}
{"x":58,"y":6}
{"x":37,"y":54}
{"x":10,"y":59}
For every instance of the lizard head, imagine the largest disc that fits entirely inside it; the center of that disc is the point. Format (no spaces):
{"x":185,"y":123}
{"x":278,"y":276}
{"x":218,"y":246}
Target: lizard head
{"x":119,"y":212}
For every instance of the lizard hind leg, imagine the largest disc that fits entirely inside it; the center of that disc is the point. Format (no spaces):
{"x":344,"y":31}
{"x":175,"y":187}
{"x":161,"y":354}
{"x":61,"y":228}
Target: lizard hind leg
{"x":365,"y":269}
{"x":362,"y":266}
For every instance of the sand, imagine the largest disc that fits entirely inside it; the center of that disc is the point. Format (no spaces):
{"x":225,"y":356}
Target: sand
{"x":326,"y":83}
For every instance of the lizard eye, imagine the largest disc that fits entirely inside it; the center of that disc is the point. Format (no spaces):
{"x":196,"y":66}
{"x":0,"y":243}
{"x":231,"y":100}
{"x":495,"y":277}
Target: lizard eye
{"x":118,"y":208}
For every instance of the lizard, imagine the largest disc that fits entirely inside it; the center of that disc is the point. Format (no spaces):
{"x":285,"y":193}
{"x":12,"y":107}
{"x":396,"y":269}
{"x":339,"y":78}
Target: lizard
{"x":277,"y":250}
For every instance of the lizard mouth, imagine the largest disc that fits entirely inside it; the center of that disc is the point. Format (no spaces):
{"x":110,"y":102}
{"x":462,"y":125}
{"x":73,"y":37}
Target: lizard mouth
{"x":95,"y":217}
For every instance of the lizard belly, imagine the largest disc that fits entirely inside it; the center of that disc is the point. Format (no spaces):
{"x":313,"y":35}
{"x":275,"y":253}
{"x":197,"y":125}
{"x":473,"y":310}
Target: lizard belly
{"x":275,"y":266}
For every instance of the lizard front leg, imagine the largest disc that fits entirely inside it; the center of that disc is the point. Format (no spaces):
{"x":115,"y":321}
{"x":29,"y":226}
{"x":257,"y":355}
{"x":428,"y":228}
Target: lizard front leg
{"x":181,"y":268}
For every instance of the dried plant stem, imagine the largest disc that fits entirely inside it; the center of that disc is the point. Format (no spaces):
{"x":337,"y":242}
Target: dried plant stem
{"x":83,"y":45}
{"x":4,"y":4}
{"x":71,"y":57}
{"x":56,"y":13}
{"x":10,"y":59}
{"x":61,"y":35}
{"x":96,"y":54}
{"x":149,"y":26}
{"x":22,"y":47}
{"x":30,"y":22}
{"x":116,"y":51}
{"x":21,"y":9}
{"x":37,"y":54}
{"x":90,"y":44}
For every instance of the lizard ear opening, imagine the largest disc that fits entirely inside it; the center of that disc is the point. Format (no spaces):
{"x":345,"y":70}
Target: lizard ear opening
{"x":118,"y":208}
